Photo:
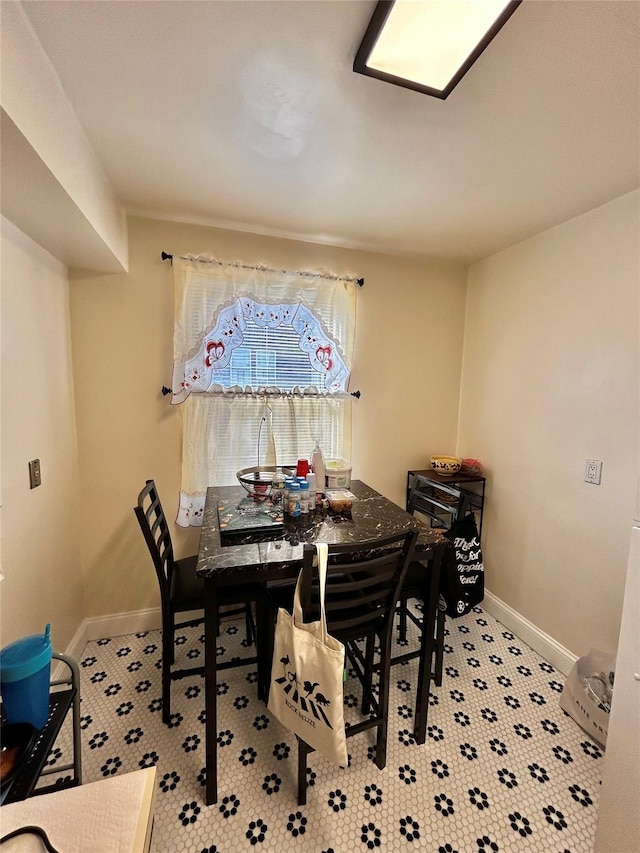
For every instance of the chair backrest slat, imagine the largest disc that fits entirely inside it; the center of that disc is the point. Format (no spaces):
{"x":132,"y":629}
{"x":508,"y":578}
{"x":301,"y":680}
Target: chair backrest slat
{"x":373,"y":577}
{"x":155,"y":529}
{"x":376,"y":598}
{"x":158,"y":525}
{"x":363,"y":580}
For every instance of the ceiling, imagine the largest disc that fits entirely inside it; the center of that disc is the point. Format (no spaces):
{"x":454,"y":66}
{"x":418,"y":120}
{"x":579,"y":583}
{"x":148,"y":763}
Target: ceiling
{"x":247,"y":115}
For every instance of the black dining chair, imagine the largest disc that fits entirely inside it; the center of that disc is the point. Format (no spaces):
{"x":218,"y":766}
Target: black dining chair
{"x":414,"y":586}
{"x":181,"y":591}
{"x":363,"y":584}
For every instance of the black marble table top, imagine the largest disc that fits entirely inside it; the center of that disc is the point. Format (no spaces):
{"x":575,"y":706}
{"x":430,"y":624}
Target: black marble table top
{"x":280,"y":554}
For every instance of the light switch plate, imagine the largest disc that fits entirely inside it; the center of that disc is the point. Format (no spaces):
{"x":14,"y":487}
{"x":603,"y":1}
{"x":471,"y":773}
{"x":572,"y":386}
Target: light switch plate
{"x":35,"y":477}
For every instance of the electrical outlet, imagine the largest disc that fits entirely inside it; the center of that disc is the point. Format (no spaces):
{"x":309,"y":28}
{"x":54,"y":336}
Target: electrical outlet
{"x":35,"y":477}
{"x":593,"y":472}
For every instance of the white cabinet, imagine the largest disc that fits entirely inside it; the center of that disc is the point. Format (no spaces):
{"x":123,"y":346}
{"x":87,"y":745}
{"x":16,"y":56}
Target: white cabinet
{"x":618,"y":827}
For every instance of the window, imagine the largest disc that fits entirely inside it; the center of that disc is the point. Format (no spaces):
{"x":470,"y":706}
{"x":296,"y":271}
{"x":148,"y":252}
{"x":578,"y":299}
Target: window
{"x":249,"y":338}
{"x":270,"y":358}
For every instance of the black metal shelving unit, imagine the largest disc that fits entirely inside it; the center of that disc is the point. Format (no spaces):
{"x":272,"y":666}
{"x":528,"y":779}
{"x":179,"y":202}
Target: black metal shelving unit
{"x":444,"y":499}
{"x":64,"y":696}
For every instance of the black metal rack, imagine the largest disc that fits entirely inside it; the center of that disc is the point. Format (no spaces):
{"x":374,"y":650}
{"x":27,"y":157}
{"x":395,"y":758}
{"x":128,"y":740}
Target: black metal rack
{"x":23,"y":785}
{"x":444,"y":499}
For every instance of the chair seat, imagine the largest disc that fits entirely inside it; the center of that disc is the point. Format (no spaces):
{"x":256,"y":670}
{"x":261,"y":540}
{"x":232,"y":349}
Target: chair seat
{"x":281,"y":596}
{"x":414,"y":580}
{"x":187,"y":589}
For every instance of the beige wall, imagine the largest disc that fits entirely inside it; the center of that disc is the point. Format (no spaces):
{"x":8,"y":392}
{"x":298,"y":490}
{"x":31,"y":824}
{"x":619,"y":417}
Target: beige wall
{"x":407,"y":366}
{"x":40,"y":548}
{"x":550,"y":378}
{"x":36,"y":103}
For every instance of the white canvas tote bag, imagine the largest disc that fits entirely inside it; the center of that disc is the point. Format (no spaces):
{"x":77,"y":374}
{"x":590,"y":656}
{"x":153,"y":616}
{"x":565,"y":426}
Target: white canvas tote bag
{"x":306,"y":693}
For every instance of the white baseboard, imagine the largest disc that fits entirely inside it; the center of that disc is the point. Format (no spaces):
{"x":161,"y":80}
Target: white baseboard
{"x":120,"y":624}
{"x":557,"y":655}
{"x":116,"y":625}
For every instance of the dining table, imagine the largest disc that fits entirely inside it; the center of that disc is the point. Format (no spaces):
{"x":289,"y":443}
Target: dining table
{"x":274,"y":555}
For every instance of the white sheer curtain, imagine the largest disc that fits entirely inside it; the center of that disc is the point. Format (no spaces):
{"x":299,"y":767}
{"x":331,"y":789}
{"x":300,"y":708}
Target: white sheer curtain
{"x":226,"y":311}
{"x":220,"y":436}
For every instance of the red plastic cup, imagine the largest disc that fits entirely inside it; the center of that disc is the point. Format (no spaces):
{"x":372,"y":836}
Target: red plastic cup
{"x":302,"y":469}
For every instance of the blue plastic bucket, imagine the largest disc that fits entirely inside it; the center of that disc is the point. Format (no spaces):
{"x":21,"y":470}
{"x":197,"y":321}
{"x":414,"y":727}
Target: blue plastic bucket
{"x":25,"y":673}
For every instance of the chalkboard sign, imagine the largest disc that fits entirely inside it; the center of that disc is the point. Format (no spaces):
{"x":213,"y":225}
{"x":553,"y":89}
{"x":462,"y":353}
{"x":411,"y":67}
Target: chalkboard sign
{"x":462,"y":585}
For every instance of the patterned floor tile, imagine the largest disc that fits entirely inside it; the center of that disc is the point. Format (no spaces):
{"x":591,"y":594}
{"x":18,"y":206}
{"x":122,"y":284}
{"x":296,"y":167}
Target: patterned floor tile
{"x":502,"y":769}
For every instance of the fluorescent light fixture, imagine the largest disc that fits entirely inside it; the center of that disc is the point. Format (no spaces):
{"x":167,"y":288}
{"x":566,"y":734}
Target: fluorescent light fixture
{"x":429,"y":45}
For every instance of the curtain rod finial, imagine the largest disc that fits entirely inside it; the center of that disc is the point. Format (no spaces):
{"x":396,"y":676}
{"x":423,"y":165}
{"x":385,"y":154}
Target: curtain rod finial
{"x":166,"y":257}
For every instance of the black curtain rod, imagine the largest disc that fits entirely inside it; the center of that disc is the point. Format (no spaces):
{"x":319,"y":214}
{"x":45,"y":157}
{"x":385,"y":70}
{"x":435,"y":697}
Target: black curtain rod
{"x":165,"y":391}
{"x":166,"y":256}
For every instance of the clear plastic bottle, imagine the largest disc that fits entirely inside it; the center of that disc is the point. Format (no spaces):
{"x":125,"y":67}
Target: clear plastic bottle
{"x":286,"y":497}
{"x":294,"y":500}
{"x":277,"y":491}
{"x":304,"y":497}
{"x":311,"y":479}
{"x":317,"y":461}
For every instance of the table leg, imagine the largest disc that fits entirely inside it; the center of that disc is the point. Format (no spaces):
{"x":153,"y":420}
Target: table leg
{"x":431,"y":592}
{"x":211,"y":692}
{"x":262,"y":646}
